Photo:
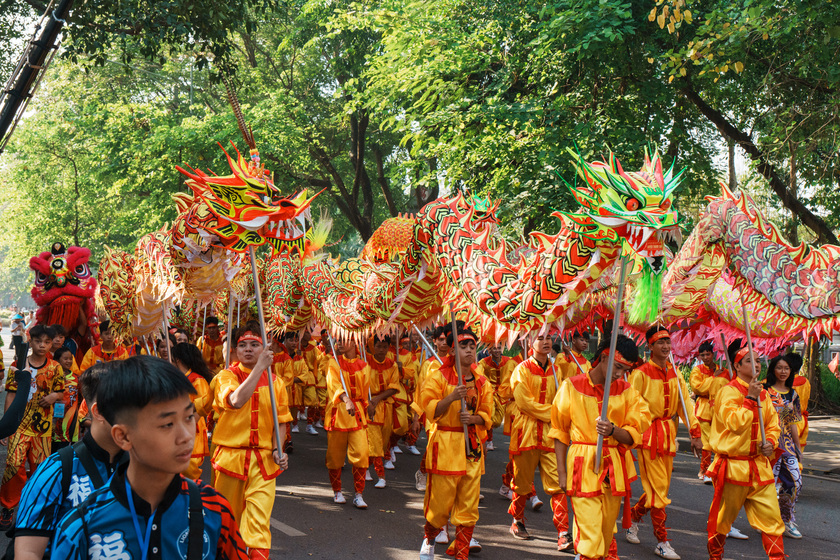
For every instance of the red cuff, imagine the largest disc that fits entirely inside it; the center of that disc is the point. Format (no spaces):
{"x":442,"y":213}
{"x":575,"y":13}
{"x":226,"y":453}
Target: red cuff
{"x":694,"y":432}
{"x":750,"y":404}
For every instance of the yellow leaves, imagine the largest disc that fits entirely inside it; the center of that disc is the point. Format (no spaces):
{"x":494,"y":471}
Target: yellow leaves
{"x":650,"y":60}
{"x":682,"y":72}
{"x":671,"y":27}
{"x":661,"y":21}
{"x":739,"y":67}
{"x":670,"y":78}
{"x":687,"y":16}
{"x":765,"y":36}
{"x":652,"y":15}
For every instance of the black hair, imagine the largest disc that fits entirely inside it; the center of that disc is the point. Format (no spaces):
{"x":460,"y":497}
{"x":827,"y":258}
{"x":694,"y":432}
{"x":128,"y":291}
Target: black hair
{"x":90,"y":378}
{"x":733,"y":349}
{"x":58,"y":330}
{"x":795,"y":362}
{"x":653,"y":330}
{"x":771,"y":372}
{"x":584,"y":335}
{"x":707,"y":346}
{"x":289,"y":334}
{"x":439,"y":330}
{"x":60,"y":352}
{"x":462,"y":329}
{"x":211,"y":320}
{"x":386,"y":338}
{"x":105,"y":326}
{"x":624,"y":345}
{"x":138,"y":381}
{"x":252,"y":326}
{"x":189,"y":355}
{"x":324,"y":332}
{"x":182,"y":331}
{"x":556,"y":346}
{"x":40,"y":330}
{"x":160,"y":341}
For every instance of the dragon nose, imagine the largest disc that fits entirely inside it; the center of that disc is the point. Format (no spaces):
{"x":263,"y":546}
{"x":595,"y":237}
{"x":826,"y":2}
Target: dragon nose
{"x":58,"y":280}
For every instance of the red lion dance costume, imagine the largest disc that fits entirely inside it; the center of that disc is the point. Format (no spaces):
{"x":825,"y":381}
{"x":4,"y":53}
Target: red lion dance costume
{"x":64,"y":291}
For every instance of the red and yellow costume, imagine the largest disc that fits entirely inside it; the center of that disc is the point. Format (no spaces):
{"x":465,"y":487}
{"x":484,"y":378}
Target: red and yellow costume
{"x":742,"y":475}
{"x":312,"y":357}
{"x":705,"y":383}
{"x":453,"y":484}
{"x":383,"y":376}
{"x":31,"y":442}
{"x":803,"y":388}
{"x":66,"y":427}
{"x":496,"y":374}
{"x":566,"y":367}
{"x":402,"y":400}
{"x":596,"y":498}
{"x":347,"y":435}
{"x":660,"y":389}
{"x":202,"y":400}
{"x":213,"y":352}
{"x":98,"y":354}
{"x":244,"y":439}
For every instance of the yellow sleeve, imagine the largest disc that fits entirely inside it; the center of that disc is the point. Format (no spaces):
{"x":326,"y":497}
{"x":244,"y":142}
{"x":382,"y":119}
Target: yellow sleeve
{"x":733,"y":410}
{"x":431,"y":394}
{"x":772,"y":428}
{"x":701,"y":384}
{"x":393,"y":379}
{"x":636,"y":416}
{"x":561,"y":419}
{"x":226,"y":383}
{"x":334,"y":387}
{"x":691,"y":421}
{"x":525,"y":400}
{"x":505,"y":391}
{"x":485,"y":406}
{"x":88,"y":360}
{"x":201,"y":399}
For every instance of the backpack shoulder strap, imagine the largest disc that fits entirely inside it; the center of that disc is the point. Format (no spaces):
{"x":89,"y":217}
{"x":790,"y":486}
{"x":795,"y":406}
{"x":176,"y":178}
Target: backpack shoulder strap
{"x":83,"y":453}
{"x":65,"y":454}
{"x":195,"y":545}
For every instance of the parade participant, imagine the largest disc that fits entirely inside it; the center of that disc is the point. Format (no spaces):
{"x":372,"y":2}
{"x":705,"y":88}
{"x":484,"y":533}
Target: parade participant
{"x":181,"y":336}
{"x":163,"y":346}
{"x":45,"y":499}
{"x":575,"y":425}
{"x":311,"y":356}
{"x":496,"y":368}
{"x":454,"y":469}
{"x":106,"y":351}
{"x":346,"y":421}
{"x":706,"y":380}
{"x":148,"y":510}
{"x":18,"y":329}
{"x":572,"y":361}
{"x":803,"y":388}
{"x":324,"y":355}
{"x":189,"y":361}
{"x":534,"y":385}
{"x":419,"y":420}
{"x":659,"y":385}
{"x":246,"y":459}
{"x":296,"y":375}
{"x":32,"y":440}
{"x":741,"y":471}
{"x":212,"y":345}
{"x":409,"y":367}
{"x":786,"y":470}
{"x":66,"y":409}
{"x":384,"y":384}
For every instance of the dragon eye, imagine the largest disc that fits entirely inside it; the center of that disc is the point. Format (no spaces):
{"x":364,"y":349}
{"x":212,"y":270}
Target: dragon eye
{"x":666,"y":203}
{"x":40,"y":278}
{"x":632,"y":204}
{"x":82,"y":270}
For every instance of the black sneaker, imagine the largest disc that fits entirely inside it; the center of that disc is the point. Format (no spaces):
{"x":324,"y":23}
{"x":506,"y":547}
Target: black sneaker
{"x":517,"y":529}
{"x":6,"y":519}
{"x":564,"y":542}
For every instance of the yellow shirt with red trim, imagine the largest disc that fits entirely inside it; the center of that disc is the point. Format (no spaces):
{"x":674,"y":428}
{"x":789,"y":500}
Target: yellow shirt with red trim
{"x":246,"y":434}
{"x":383,"y":376}
{"x":356,"y":374}
{"x":446,"y":451}
{"x":429,"y":366}
{"x":408,"y":376}
{"x":49,"y":378}
{"x":735,"y":437}
{"x":310,"y":357}
{"x":659,"y":388}
{"x":533,"y":389}
{"x":213,"y":352}
{"x":565,"y":365}
{"x":497,"y":373}
{"x":201,"y":400}
{"x":573,"y":414}
{"x":97,"y":354}
{"x":705,"y":383}
{"x":323,"y":366}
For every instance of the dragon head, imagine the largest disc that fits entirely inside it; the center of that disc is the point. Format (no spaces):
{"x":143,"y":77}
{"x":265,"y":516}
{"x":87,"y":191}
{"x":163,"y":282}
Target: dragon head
{"x":634,"y":208}
{"x":62,"y":272}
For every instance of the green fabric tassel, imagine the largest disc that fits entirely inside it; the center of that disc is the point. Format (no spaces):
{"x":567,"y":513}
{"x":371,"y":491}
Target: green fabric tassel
{"x":648,"y":296}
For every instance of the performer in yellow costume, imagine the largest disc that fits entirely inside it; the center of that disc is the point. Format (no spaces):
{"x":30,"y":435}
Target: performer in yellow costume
{"x":803,"y":388}
{"x":346,"y":420}
{"x":324,"y":355}
{"x":575,"y":425}
{"x":212,"y":345}
{"x":706,"y":380}
{"x":246,"y":458}
{"x":660,"y":386}
{"x":454,"y":465}
{"x":189,"y":360}
{"x":742,"y":474}
{"x":312,"y":357}
{"x":384,"y":384}
{"x":410,"y":368}
{"x":534,"y":385}
{"x":571,"y":362}
{"x":419,"y":419}
{"x":105,"y":352}
{"x":496,"y":368}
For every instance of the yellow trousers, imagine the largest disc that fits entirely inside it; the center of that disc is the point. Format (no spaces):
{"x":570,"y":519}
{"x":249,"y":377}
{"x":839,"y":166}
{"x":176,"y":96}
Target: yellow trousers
{"x":453,"y":497}
{"x":705,"y":430}
{"x":403,"y":419}
{"x":321,"y":393}
{"x":524,"y":466}
{"x":251,"y":501}
{"x":193,"y":472}
{"x":595,"y":519}
{"x":760,"y":504}
{"x":655,"y":475}
{"x":353,"y":445}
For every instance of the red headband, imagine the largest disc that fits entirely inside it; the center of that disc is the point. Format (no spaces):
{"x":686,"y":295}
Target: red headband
{"x":659,"y":335}
{"x":248,"y":335}
{"x":741,"y":354}
{"x":464,"y":336}
{"x":620,"y":359}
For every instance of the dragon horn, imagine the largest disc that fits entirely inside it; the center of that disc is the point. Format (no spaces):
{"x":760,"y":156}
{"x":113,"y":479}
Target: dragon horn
{"x":237,"y":111}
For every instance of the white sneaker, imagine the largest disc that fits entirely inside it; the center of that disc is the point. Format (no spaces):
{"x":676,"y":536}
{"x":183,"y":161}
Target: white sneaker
{"x":427,"y":550}
{"x":389,"y":466}
{"x":474,"y":546}
{"x":792,"y":531}
{"x":631,"y":535}
{"x":339,"y":498}
{"x":396,"y":449}
{"x":420,"y":481}
{"x":736,"y":534}
{"x":506,"y":492}
{"x":413,"y":450}
{"x":359,"y":502}
{"x":367,"y":475}
{"x":443,"y":536}
{"x":380,"y":483}
{"x":535,"y":502}
{"x":310,"y":429}
{"x":707,"y":480}
{"x":295,"y":429}
{"x":392,"y":456}
{"x":490,"y":446}
{"x":319,"y":424}
{"x":665,"y":550}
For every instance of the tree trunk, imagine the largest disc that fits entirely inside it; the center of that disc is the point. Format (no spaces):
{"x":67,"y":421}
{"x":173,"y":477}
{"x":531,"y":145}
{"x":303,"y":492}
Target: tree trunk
{"x":733,"y":178}
{"x":764,"y":167}
{"x":811,"y":372}
{"x":383,"y":181}
{"x":793,"y":234}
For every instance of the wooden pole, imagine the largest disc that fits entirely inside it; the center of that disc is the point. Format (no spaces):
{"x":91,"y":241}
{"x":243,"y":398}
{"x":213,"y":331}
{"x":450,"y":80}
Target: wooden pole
{"x":230,"y":340}
{"x":753,"y":362}
{"x":682,"y":398}
{"x":460,"y":374}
